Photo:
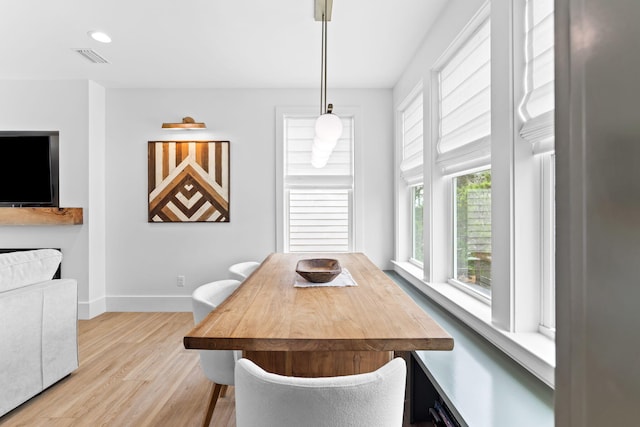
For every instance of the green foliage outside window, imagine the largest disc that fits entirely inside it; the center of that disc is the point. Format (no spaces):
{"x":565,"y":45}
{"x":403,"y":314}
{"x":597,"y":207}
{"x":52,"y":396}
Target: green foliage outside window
{"x":473,"y":229}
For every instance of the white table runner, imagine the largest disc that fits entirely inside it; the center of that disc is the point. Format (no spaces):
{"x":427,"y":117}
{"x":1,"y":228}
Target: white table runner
{"x":343,"y":279}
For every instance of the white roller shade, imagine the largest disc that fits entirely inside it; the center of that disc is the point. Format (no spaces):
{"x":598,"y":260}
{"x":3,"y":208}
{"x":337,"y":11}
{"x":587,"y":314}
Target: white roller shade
{"x":538,"y":105}
{"x":465,"y":93}
{"x":412,"y":141}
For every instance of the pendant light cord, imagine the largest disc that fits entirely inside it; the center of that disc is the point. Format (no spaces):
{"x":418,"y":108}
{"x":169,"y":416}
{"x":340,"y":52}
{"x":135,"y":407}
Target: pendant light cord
{"x":324,"y":32}
{"x":323,"y":63}
{"x":322,"y":67}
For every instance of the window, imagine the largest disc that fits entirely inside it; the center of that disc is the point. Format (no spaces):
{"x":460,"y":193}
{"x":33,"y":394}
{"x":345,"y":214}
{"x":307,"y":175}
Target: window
{"x":472,"y":231}
{"x":417,"y":221}
{"x":537,"y":113}
{"x":548,"y":215}
{"x":464,"y":137}
{"x":411,"y":170}
{"x":318,"y":202}
{"x":489,"y":181}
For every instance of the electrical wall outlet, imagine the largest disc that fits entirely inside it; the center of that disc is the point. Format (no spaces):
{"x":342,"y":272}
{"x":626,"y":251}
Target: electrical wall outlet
{"x":180,"y":282}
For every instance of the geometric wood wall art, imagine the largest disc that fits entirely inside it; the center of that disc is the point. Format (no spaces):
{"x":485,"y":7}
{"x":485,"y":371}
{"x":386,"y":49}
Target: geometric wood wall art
{"x":188,"y":181}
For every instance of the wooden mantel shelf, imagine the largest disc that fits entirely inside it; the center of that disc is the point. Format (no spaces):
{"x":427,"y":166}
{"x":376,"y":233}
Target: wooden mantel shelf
{"x":40,"y":216}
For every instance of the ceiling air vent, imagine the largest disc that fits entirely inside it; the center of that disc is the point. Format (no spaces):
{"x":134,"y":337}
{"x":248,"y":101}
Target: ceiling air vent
{"x":91,"y":55}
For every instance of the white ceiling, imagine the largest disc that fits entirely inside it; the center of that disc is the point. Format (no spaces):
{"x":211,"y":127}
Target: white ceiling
{"x":213,"y":43}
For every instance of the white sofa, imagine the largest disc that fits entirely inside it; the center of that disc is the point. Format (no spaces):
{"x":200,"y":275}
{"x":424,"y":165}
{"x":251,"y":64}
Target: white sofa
{"x":38,"y":325}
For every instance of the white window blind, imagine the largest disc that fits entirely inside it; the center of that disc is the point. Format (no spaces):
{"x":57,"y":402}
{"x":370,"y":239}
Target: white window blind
{"x":465,"y":95}
{"x":319,"y":220}
{"x":318,"y":212}
{"x":537,"y":108}
{"x":412,"y":141}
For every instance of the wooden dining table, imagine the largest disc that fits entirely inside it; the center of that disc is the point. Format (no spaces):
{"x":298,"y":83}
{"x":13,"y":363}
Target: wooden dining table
{"x":318,"y":331}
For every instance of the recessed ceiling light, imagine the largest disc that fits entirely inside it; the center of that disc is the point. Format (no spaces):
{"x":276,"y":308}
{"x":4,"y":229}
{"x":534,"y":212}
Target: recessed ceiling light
{"x":99,"y":36}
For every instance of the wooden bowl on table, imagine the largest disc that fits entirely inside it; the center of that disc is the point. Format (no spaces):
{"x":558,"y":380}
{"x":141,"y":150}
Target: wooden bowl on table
{"x":319,"y":270}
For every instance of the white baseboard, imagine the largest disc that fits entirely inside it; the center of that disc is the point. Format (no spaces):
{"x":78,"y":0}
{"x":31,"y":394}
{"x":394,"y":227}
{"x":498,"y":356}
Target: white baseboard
{"x":146,"y":303}
{"x":133,"y":303}
{"x":90,"y":309}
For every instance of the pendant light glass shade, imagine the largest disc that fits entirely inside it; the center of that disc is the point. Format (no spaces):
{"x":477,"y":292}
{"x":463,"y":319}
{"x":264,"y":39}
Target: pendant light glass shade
{"x":323,"y":146}
{"x":319,"y":162}
{"x":321,"y":150}
{"x":328,"y":127}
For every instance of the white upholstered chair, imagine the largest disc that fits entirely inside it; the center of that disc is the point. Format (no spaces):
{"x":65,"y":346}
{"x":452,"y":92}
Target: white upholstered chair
{"x":242,"y":270}
{"x":269,"y":400}
{"x":218,"y":365}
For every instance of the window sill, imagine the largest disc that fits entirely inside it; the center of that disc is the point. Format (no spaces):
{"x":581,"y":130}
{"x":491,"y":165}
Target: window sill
{"x":533,"y":350}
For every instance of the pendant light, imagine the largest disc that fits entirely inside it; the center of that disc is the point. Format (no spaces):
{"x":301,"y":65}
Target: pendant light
{"x":328,"y":126}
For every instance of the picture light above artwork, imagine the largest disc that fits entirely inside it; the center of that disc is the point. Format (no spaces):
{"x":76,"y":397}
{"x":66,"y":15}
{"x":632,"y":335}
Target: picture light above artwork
{"x":187,"y":123}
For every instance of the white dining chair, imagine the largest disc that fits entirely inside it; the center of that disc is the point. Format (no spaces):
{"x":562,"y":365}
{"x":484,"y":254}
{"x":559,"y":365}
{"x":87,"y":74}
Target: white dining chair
{"x":374,"y":399}
{"x":218,"y":365}
{"x":242,"y":270}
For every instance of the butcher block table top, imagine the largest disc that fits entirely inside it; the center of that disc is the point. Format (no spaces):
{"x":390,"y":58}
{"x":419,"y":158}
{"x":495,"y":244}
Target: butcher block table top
{"x":267,"y":313}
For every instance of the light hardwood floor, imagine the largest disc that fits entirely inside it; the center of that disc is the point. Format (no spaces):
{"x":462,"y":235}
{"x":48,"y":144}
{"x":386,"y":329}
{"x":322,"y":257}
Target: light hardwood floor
{"x":134,"y":371}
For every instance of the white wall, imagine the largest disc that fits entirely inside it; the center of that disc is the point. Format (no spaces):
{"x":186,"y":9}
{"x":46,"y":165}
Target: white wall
{"x":61,"y":106}
{"x":144,"y":259}
{"x":94,"y":303}
{"x":598,"y":213}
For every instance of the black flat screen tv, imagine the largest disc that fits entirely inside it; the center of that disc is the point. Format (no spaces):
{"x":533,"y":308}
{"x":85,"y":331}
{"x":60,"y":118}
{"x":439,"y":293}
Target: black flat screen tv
{"x":29,"y":169}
